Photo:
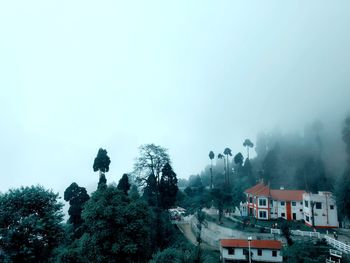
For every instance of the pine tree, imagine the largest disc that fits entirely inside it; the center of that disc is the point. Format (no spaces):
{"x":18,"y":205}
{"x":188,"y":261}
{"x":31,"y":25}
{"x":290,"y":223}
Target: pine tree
{"x":124,"y":184}
{"x":168,"y":187}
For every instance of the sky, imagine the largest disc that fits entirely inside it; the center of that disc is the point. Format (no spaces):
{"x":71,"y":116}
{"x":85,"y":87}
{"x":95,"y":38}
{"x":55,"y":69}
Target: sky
{"x":191,"y":76}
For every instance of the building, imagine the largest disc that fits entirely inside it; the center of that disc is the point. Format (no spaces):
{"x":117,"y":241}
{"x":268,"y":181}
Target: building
{"x":323,"y":208}
{"x":237,"y":250}
{"x":264,"y":203}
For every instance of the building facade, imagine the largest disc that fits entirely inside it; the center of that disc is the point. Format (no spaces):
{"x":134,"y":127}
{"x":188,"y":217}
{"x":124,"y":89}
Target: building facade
{"x":317,"y":210}
{"x":237,"y":250}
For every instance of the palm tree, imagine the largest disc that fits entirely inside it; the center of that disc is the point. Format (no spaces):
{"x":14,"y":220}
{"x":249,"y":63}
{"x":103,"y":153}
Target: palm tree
{"x":221,"y":156}
{"x":248,"y":144}
{"x":227,"y":152}
{"x":211,"y":157}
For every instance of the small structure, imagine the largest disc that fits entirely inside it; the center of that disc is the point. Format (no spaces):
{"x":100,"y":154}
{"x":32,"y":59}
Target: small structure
{"x":237,"y":250}
{"x":317,"y":210}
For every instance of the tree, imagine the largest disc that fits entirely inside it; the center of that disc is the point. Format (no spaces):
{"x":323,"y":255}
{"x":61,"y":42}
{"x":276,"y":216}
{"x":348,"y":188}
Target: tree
{"x":101,"y":164}
{"x":124,"y":184}
{"x":285,"y":229}
{"x":151,"y":161}
{"x":228,"y":153}
{"x":248,"y":144}
{"x":30,"y":224}
{"x":168,"y":187}
{"x":238,"y":159}
{"x":150,"y":190}
{"x":76,"y":196}
{"x":118,"y":229}
{"x":211,"y":157}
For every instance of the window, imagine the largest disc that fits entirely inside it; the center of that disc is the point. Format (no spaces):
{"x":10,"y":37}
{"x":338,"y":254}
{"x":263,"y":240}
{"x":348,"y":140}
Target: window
{"x":250,"y":199}
{"x":294,"y":216}
{"x":262,"y":214}
{"x":294,"y":203}
{"x":282,"y":203}
{"x":271,"y":202}
{"x":274,"y":253}
{"x":331,"y":207}
{"x":231,"y":251}
{"x":306,"y":203}
{"x":301,"y":203}
{"x":283,"y":215}
{"x":250,"y":211}
{"x":301,"y":210}
{"x":259,"y":252}
{"x":318,"y":205}
{"x":307,"y":218}
{"x":262,"y":202}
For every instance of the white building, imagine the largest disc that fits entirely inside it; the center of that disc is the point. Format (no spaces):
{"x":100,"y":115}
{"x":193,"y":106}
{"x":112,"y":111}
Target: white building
{"x":264,"y":203}
{"x":237,"y":250}
{"x":321,"y":208}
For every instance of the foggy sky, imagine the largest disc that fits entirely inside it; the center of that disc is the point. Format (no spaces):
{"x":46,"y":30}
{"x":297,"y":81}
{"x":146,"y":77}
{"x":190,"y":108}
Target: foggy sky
{"x":191,"y":76}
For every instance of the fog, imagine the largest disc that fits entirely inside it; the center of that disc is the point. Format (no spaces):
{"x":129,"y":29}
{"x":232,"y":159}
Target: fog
{"x":192,"y":77}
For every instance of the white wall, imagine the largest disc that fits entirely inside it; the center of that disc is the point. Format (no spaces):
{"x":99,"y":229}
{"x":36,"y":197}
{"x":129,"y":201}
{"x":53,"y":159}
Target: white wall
{"x":320,"y":215}
{"x":238,"y":255}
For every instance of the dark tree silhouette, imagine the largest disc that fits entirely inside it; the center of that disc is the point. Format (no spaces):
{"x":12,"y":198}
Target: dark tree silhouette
{"x":238,"y":159}
{"x":101,"y":164}
{"x":211,"y":157}
{"x":168,"y":187}
{"x":228,"y":153}
{"x":76,"y":196}
{"x":124,"y":184}
{"x":248,"y":144}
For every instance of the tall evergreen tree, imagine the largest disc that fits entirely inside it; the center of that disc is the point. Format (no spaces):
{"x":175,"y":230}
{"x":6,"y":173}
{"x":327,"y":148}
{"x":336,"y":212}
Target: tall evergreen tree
{"x":76,"y":196}
{"x":124,"y":184}
{"x":168,"y":187}
{"x":101,"y":164}
{"x":150,"y":190}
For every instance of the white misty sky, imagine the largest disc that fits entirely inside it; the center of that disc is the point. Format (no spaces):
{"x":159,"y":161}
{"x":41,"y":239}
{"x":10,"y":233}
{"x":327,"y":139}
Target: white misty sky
{"x":192,"y":76}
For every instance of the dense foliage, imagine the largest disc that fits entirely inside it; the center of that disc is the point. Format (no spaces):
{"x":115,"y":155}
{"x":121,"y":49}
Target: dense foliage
{"x":30,"y":224}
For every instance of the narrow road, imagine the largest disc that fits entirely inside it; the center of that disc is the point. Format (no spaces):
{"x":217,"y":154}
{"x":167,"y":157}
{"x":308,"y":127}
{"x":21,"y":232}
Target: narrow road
{"x":187,"y":231}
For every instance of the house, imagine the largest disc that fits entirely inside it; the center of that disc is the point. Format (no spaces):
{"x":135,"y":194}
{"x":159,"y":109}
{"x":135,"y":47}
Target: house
{"x":264,"y":203}
{"x":237,"y":250}
{"x":322,"y":209}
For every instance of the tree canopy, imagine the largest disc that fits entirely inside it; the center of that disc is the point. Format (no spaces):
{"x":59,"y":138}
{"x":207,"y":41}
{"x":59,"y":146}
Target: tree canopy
{"x":30,"y":224}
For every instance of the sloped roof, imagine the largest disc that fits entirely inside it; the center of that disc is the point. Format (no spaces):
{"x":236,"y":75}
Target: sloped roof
{"x":287,"y":195}
{"x":243,"y":243}
{"x":259,"y":189}
{"x":283,"y":195}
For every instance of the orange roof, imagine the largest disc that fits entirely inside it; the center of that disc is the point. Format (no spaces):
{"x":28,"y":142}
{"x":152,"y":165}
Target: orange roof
{"x":243,"y":243}
{"x":287,"y":195}
{"x":259,"y":189}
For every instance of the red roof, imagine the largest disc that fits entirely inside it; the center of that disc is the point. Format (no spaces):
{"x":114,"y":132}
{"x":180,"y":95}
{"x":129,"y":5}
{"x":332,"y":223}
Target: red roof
{"x":287,"y":195}
{"x":259,"y":189}
{"x":243,"y":243}
{"x":283,"y":195}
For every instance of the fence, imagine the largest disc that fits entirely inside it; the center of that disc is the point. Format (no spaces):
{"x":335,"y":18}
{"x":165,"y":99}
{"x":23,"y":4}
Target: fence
{"x":305,"y":233}
{"x":330,"y":241}
{"x":337,"y":244}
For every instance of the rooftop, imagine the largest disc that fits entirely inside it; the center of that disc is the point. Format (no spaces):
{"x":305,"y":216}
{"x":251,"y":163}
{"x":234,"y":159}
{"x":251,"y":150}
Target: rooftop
{"x":243,"y":243}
